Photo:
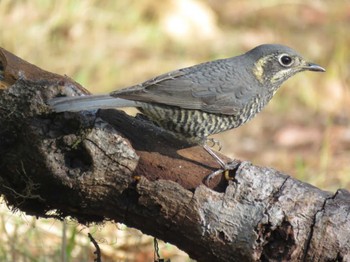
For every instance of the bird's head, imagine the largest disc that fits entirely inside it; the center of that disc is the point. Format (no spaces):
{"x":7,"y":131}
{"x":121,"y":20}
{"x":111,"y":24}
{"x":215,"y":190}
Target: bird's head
{"x":274,"y":64}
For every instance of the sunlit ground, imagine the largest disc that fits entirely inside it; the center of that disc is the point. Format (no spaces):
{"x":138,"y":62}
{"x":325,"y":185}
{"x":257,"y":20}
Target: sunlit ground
{"x":104,"y":45}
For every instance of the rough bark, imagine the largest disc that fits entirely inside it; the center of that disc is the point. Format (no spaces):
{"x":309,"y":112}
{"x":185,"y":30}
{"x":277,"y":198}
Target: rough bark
{"x":105,"y":165}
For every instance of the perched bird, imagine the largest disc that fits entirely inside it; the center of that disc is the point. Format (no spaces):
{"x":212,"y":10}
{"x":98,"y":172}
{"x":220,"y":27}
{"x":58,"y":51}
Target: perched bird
{"x":207,"y":98}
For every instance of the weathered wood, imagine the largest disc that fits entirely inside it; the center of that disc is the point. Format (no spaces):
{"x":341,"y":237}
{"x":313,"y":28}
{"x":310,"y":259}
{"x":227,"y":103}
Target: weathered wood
{"x":106,"y":165}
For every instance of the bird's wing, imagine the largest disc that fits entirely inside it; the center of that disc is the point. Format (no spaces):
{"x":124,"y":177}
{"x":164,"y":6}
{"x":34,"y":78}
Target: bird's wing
{"x":205,"y":87}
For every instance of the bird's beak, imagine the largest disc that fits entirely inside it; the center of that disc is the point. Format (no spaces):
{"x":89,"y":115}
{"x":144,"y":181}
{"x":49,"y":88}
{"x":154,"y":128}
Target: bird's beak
{"x":314,"y":67}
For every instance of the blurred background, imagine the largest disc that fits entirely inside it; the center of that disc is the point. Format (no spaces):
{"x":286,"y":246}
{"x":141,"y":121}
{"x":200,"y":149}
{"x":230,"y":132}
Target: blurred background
{"x":105,"y":45}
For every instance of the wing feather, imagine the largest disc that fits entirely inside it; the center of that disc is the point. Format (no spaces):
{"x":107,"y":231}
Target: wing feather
{"x":209,"y":87}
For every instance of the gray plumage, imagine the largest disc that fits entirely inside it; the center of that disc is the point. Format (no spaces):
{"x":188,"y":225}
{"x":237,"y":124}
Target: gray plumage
{"x":88,"y":102}
{"x":204,"y":99}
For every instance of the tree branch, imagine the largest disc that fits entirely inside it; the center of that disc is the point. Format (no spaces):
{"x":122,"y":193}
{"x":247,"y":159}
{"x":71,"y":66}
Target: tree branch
{"x":106,"y":165}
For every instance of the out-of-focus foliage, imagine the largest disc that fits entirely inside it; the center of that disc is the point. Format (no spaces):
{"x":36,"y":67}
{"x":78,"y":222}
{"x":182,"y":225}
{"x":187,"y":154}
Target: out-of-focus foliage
{"x":105,"y":45}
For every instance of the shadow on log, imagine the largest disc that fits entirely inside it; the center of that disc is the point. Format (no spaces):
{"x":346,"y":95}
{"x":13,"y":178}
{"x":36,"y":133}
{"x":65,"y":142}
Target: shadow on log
{"x":105,"y":165}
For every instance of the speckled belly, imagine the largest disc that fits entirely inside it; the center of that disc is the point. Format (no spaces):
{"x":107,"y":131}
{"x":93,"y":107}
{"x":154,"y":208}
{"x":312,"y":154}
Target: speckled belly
{"x":195,"y":124}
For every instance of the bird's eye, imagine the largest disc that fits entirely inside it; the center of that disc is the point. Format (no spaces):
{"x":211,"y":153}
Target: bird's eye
{"x":285,"y":60}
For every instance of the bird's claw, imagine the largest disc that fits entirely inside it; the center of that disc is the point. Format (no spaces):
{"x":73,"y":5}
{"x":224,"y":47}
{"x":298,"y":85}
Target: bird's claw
{"x":235,"y":166}
{"x":212,"y":142}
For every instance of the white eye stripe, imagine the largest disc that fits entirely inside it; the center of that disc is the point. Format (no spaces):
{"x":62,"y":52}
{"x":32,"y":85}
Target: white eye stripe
{"x":285,"y":60}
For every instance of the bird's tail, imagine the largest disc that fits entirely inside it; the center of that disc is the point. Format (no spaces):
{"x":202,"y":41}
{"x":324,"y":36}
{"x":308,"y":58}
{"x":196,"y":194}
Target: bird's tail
{"x":88,"y":102}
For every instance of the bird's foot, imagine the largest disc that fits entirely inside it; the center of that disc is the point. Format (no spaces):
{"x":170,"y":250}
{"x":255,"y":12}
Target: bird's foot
{"x":212,"y":142}
{"x":229,"y":170}
{"x":226,"y":168}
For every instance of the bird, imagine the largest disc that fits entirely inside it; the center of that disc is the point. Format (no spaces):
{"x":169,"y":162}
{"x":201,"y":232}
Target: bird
{"x":204,"y":99}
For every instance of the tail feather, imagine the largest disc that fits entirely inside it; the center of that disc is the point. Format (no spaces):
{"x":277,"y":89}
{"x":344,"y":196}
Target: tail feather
{"x":89,"y":102}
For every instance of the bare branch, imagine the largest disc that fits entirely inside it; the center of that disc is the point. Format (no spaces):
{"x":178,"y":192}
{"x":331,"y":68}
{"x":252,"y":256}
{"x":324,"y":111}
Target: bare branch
{"x":106,"y":165}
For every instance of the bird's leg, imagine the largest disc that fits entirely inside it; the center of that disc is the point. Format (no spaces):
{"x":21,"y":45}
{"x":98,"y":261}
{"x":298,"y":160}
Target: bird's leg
{"x":225,"y":167}
{"x":215,"y":156}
